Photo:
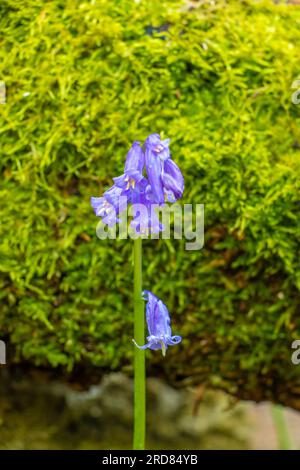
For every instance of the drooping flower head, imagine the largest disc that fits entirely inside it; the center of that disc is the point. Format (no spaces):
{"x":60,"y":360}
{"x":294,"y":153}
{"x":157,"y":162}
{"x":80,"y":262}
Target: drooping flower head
{"x":150,"y":177}
{"x":158,"y":322}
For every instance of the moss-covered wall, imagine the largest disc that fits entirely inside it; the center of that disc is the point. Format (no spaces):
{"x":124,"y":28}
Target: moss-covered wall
{"x":86,"y":78}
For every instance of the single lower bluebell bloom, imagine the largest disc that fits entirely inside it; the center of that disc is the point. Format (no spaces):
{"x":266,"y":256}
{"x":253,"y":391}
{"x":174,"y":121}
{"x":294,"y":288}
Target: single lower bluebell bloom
{"x":158,"y":322}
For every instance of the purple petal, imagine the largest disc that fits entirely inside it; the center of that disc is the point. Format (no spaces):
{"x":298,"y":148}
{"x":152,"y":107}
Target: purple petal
{"x":173,"y":340}
{"x":153,"y":139}
{"x":120,"y":181}
{"x":135,"y":159}
{"x":159,"y":147}
{"x":173,"y":181}
{"x":97,"y":204}
{"x":154,"y":171}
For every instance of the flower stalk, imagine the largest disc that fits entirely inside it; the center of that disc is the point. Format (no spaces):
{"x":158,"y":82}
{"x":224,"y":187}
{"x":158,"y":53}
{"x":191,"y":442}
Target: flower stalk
{"x":139,"y":355}
{"x":150,"y":178}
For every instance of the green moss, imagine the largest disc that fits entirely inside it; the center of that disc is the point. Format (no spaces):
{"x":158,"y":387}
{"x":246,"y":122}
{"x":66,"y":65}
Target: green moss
{"x":218,"y":83}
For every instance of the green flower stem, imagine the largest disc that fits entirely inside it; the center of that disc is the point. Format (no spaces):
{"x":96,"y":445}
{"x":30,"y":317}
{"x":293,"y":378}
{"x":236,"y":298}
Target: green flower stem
{"x":139,"y":355}
{"x":280,"y":425}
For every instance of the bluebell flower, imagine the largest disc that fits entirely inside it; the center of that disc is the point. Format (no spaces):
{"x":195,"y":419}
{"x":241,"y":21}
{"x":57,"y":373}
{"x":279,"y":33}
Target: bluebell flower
{"x":164,"y":176}
{"x":135,"y":159}
{"x":159,"y":147}
{"x":133,"y":171}
{"x":145,"y":219}
{"x":109,"y":205}
{"x":162,"y":182}
{"x":173,"y":182}
{"x":158,"y":322}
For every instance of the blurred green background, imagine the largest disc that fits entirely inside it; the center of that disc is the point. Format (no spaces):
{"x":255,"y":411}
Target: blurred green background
{"x":83,"y":80}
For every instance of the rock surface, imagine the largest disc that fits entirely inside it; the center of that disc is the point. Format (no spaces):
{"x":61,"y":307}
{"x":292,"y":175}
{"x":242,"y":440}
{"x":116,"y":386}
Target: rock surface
{"x":38,"y":414}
